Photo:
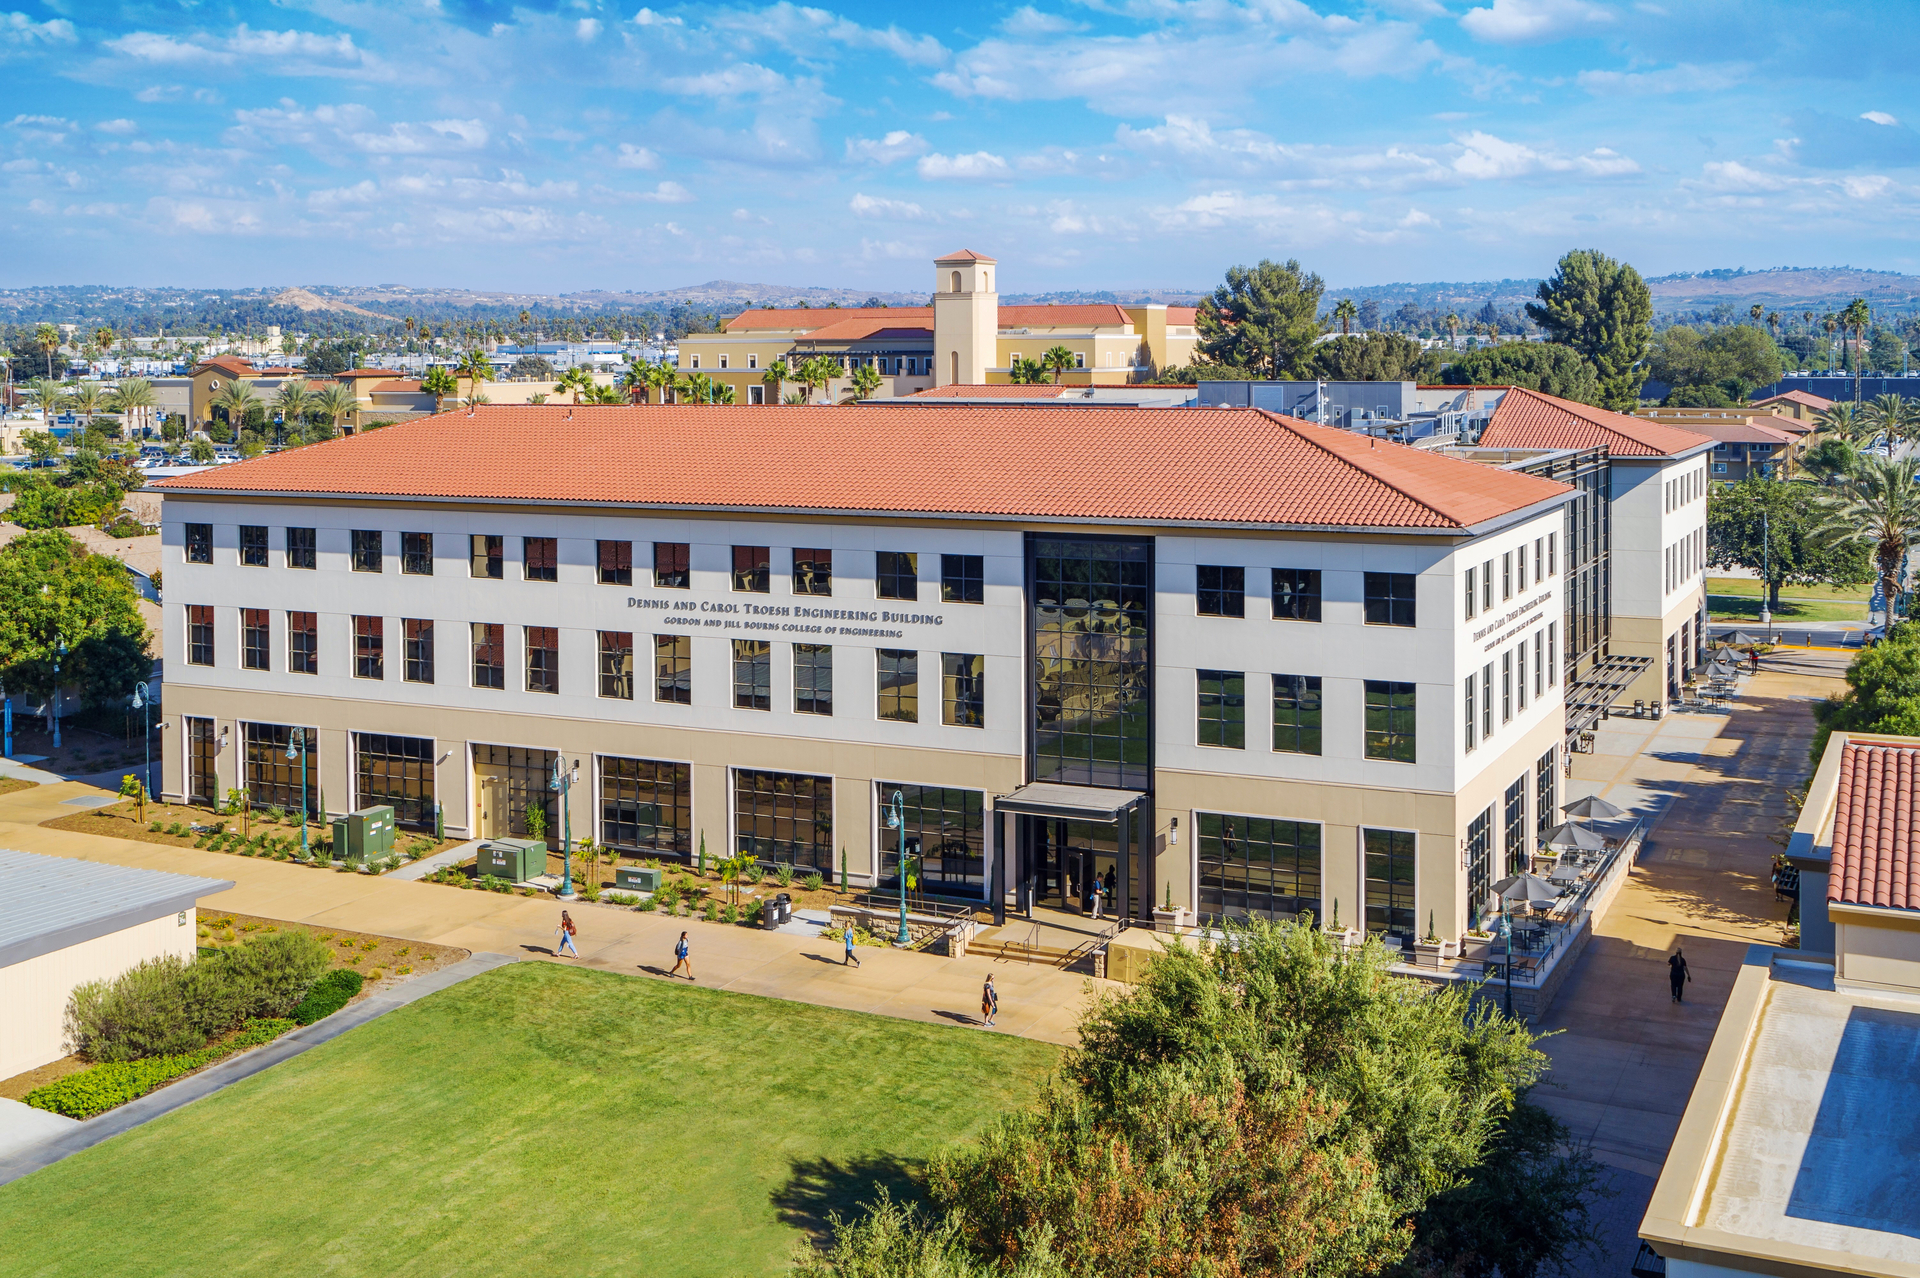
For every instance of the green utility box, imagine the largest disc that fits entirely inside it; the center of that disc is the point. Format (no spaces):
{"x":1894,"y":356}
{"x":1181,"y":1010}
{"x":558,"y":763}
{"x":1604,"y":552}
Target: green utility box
{"x":638,"y":878}
{"x":515,"y":860}
{"x":363,"y":835}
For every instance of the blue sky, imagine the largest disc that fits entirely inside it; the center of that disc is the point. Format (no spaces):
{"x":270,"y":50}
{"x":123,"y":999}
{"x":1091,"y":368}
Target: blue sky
{"x":1090,"y":144}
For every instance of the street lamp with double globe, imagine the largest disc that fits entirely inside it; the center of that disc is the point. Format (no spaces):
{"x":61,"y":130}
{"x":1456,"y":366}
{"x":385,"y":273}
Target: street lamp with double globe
{"x":897,"y":820}
{"x":297,"y":748}
{"x":562,"y":783}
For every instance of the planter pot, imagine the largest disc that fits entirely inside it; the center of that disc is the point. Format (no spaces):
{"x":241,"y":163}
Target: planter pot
{"x":1347,"y":936}
{"x":1173,"y":920}
{"x":1427,"y":953}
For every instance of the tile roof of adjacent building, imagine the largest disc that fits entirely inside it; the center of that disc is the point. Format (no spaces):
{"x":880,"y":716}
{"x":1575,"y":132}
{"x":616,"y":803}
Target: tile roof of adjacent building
{"x":399,"y":385}
{"x":1529,"y":419}
{"x":862,"y":327}
{"x":1876,"y":855}
{"x":965,"y":255}
{"x":971,"y":390}
{"x":1741,"y":432}
{"x":1791,"y":425}
{"x":52,"y":902}
{"x":1182,"y":314}
{"x":1100,"y":314}
{"x":232,"y":365}
{"x":1806,"y":398}
{"x":801,"y":318}
{"x":1233,"y":467}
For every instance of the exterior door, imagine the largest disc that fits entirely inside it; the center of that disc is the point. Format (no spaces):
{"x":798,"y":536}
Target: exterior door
{"x":493,"y":807}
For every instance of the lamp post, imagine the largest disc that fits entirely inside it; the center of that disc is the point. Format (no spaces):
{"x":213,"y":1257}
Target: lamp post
{"x":140,"y":703}
{"x":59,"y":651}
{"x":562,"y":783}
{"x":897,"y":820}
{"x":1506,"y":934}
{"x":297,"y":745}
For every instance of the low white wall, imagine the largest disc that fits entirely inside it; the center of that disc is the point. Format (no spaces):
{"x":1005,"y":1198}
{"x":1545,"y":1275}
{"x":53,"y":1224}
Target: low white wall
{"x":33,"y":993}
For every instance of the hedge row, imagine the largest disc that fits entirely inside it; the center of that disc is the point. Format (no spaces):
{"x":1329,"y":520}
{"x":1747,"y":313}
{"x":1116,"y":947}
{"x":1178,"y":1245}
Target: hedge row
{"x":329,"y":994}
{"x":97,"y":1090}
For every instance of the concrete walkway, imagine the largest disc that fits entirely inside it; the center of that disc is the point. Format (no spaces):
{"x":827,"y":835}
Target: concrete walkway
{"x":426,"y":865}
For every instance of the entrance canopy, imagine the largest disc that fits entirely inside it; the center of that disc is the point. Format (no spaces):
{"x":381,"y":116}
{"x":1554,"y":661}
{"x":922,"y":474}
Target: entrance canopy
{"x":1069,"y":802}
{"x":1593,"y":694}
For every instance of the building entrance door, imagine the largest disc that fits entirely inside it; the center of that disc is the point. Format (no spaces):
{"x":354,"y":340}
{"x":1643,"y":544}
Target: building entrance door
{"x":493,"y":807}
{"x":1068,"y":857}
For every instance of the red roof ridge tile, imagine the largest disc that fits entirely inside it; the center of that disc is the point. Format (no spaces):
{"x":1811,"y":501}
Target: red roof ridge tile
{"x":1533,"y":419}
{"x":1875,"y":860}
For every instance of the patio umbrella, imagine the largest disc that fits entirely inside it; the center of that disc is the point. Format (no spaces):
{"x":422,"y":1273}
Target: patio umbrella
{"x":1528,"y":888}
{"x":1722,"y":670}
{"x":1592,"y":806}
{"x":1568,"y":835}
{"x":1739,"y":638}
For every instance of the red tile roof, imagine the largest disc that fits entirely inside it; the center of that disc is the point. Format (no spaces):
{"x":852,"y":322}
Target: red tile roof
{"x":1183,"y":314}
{"x":399,"y":386}
{"x":1741,"y":432}
{"x":1529,"y":419}
{"x":1152,"y":465}
{"x":1795,"y":397}
{"x":859,"y":329}
{"x":230,"y":364}
{"x":965,"y":255}
{"x":966,"y":390}
{"x":370,"y":372}
{"x":807,"y":317}
{"x":1876,"y":859}
{"x":1791,"y":425}
{"x":1103,"y":313}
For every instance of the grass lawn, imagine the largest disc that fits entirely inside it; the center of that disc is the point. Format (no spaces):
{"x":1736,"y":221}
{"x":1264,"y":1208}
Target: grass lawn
{"x":1749,"y":587}
{"x":535,"y":1120}
{"x":1747,"y":608}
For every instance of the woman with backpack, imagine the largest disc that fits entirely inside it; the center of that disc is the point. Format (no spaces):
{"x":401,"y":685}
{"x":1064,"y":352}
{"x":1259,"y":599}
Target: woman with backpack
{"x":989,"y":1001}
{"x":680,"y":958}
{"x":566,"y":936}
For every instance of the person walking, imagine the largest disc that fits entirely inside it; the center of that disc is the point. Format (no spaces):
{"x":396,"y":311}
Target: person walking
{"x":989,"y":1001}
{"x":566,"y":936}
{"x":1753,"y":661}
{"x":1099,"y":898}
{"x":1678,"y":975}
{"x":680,"y":958}
{"x":847,"y":935}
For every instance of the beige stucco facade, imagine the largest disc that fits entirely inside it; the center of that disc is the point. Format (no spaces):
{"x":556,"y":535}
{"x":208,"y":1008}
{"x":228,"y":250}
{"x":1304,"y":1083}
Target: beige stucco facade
{"x":1647,"y":637}
{"x":34,"y":992}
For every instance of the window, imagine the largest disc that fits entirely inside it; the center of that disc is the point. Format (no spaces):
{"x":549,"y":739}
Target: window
{"x":963,"y":690}
{"x":1550,"y":555}
{"x":1520,"y":676}
{"x":271,"y":778}
{"x":1296,"y":594}
{"x":199,"y":543}
{"x":1091,"y":626}
{"x":199,"y":634}
{"x":646,"y":806}
{"x":398,"y":772}
{"x":1473,"y":597}
{"x":616,"y":664}
{"x":1552,"y":657}
{"x":253,"y":545}
{"x":489,"y":655}
{"x":896,"y":575}
{"x":1486,"y":586}
{"x":1486,"y":701}
{"x":1506,"y":687}
{"x":1514,"y":837}
{"x":753,"y":361}
{"x":899,"y":684}
{"x":1389,"y":857}
{"x":1389,"y":725}
{"x":944,"y":831}
{"x":616,"y":562}
{"x":1479,"y":865}
{"x":1506,"y":576}
{"x":750,"y":569}
{"x":1539,"y":550}
{"x":300,"y":549}
{"x":526,"y":774}
{"x":1473,"y":728}
{"x":1546,"y":784}
{"x":1223,"y":708}
{"x":673,"y":669}
{"x":1255,"y":867}
{"x":1539,"y":667}
{"x":723,"y":361}
{"x":417,"y":634}
{"x":489,"y":555}
{"x":1296,"y":714}
{"x":416,"y":554}
{"x":1220,"y":591}
{"x":961,"y":579}
{"x":1389,"y":600}
{"x":368,"y":642}
{"x":784,"y":818}
{"x":543,"y":659}
{"x":670,"y":566}
{"x":812,"y":678}
{"x":367,"y":555}
{"x":752,"y":674}
{"x":540,"y":558}
{"x":812,"y":571}
{"x":256,"y":642}
{"x":696,"y":361}
{"x":303,"y":643}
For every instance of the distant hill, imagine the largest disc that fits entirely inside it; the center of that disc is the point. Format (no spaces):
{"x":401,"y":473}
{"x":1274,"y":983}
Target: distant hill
{"x":1784,"y":287}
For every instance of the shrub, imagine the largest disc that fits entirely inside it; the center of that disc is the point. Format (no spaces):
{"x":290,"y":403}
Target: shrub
{"x":711,"y":911}
{"x":154,"y":827}
{"x":623,"y":898}
{"x":142,"y":1012}
{"x":329,"y":994}
{"x":97,"y":1090}
{"x":811,"y":883}
{"x":274,"y":973}
{"x":649,"y":904}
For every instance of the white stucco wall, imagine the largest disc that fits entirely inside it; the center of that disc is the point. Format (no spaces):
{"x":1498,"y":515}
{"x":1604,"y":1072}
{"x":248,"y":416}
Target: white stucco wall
{"x":33,"y":993}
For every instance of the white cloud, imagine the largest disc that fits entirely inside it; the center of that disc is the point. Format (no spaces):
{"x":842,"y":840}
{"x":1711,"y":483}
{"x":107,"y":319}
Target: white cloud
{"x":648,"y":18}
{"x":896,"y":145}
{"x":1029,"y":21}
{"x":117,"y":127}
{"x":1483,"y":156}
{"x":635,"y":157}
{"x":1687,"y":77}
{"x":976,"y":166}
{"x":738,"y":80}
{"x":150,"y":46}
{"x":893,"y":210}
{"x":18,"y":28}
{"x":668,"y":193}
{"x":587,"y":30}
{"x":304,"y":53}
{"x":1532,"y":21}
{"x":1878,"y":117}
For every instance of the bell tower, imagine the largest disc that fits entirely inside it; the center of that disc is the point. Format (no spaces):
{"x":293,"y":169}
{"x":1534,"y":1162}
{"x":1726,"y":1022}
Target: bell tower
{"x":966,"y":318}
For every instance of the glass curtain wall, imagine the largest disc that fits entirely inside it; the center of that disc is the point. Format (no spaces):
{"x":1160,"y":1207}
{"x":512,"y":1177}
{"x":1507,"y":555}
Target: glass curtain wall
{"x":784,"y":818}
{"x":646,"y":806}
{"x":527,"y":773}
{"x":273,"y":780}
{"x":1257,"y":867}
{"x":1092,"y":686}
{"x":396,"y":771}
{"x":945,"y":833}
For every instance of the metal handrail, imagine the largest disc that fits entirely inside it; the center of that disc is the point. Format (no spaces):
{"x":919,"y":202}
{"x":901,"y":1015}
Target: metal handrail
{"x":1092,"y":945}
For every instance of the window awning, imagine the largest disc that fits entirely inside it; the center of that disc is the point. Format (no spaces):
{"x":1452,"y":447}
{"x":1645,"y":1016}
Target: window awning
{"x":1069,"y":802}
{"x":1593,"y":693}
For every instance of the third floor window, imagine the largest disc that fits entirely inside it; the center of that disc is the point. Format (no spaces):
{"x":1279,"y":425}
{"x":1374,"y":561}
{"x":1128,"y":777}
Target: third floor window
{"x":199,"y":543}
{"x":1220,"y":591}
{"x":896,"y":575}
{"x":616,"y":562}
{"x":366,"y":550}
{"x":1296,"y":594}
{"x":750,"y":569}
{"x":488,"y":556}
{"x":670,"y":566}
{"x":253,"y":545}
{"x":540,"y":558}
{"x":300,"y":549}
{"x":1389,"y":599}
{"x":416,"y":554}
{"x":812,"y":571}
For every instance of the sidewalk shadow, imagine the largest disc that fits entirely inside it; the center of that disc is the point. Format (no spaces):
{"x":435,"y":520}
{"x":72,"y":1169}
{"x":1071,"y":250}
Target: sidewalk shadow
{"x":958,"y":1018}
{"x":822,"y":958}
{"x":540,"y":949}
{"x":819,"y":1187}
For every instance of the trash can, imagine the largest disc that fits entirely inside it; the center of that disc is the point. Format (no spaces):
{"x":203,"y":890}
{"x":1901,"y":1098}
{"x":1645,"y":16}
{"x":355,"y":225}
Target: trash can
{"x":769,"y":914}
{"x":785,"y":902}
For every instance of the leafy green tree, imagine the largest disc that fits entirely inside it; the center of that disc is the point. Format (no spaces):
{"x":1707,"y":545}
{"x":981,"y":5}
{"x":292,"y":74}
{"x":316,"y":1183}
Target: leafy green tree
{"x":1883,"y":692}
{"x":1875,"y":508}
{"x":1602,"y":309}
{"x":1374,"y":357}
{"x":1769,"y":528}
{"x":440,"y":384}
{"x":52,"y":591}
{"x":531,"y":368}
{"x":1541,"y":366}
{"x":1264,"y":318}
{"x":1830,"y":459}
{"x":41,"y":445}
{"x":1888,"y":351}
{"x":1734,"y":358}
{"x":201,"y":451}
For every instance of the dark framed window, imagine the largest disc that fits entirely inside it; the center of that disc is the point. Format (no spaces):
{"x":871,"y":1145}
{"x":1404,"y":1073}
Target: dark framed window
{"x":750,"y":569}
{"x":944,"y":830}
{"x":203,"y":784}
{"x":1389,"y":598}
{"x":1257,"y":867}
{"x":1506,"y":686}
{"x":369,"y":641}
{"x":256,"y":639}
{"x":646,"y":805}
{"x":899,"y":680}
{"x":489,"y":655}
{"x":398,"y":772}
{"x":896,"y":574}
{"x":1223,"y":708}
{"x":302,"y":549}
{"x":303,"y":643}
{"x":543,"y":658}
{"x":1220,"y":591}
{"x":540,"y":558}
{"x":615,"y":559}
{"x":199,"y":543}
{"x":784,"y":818}
{"x":199,"y":634}
{"x":616,"y":664}
{"x":368,"y":553}
{"x":752,"y":674}
{"x":253,"y":545}
{"x":1486,"y":702}
{"x":527,"y":774}
{"x":812,"y":678}
{"x":1514,"y":825}
{"x":419,"y":641}
{"x":1296,"y":714}
{"x":1296,"y":594}
{"x":1473,"y":738}
{"x":963,"y":689}
{"x":1473,"y":594}
{"x":1389,"y":858}
{"x":962,"y":579}
{"x":1546,"y":792}
{"x":812,"y":571}
{"x":670,"y":571}
{"x":416,"y":554}
{"x":1389,"y":721}
{"x":487,"y":556}
{"x":673,"y":669}
{"x":1092,"y":619}
{"x":272,"y":779}
{"x":1479,"y":866}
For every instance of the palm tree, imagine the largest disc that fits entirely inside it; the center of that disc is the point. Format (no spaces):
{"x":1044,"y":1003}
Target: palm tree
{"x":1026,"y":372}
{"x":776,"y":373}
{"x":237,"y":397}
{"x":133,"y":395}
{"x":1829,"y":322}
{"x":336,"y":402}
{"x":47,"y":338}
{"x":477,"y":369}
{"x":814,"y":371}
{"x":1344,"y":310}
{"x":1453,"y":330}
{"x":866,"y":380}
{"x":295,"y":400}
{"x":1756,"y":310}
{"x":1886,"y":415}
{"x":1878,"y":506}
{"x":1773,"y":325}
{"x":85,"y":399}
{"x":1838,"y":419}
{"x":45,"y":393}
{"x":1856,"y":317}
{"x":575,"y":379}
{"x":1059,"y":359}
{"x":660,"y":379}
